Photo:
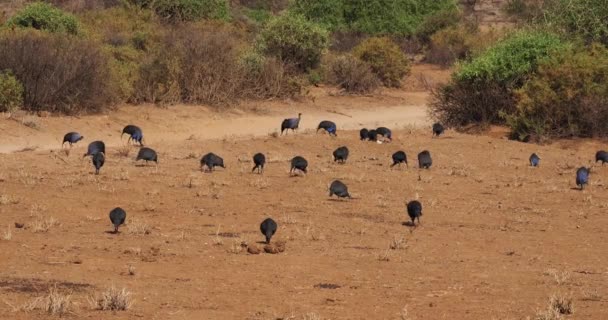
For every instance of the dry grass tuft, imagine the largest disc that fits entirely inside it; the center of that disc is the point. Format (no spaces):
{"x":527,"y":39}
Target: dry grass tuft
{"x":44,"y":225}
{"x":236,"y":247}
{"x":560,"y":277}
{"x":6,"y":199}
{"x":311,"y":316}
{"x":8,"y":234}
{"x":138,"y":228}
{"x":54,"y":303}
{"x":124,"y":151}
{"x":384,"y":256}
{"x":397,"y":243}
{"x":559,"y":305}
{"x":112,"y":299}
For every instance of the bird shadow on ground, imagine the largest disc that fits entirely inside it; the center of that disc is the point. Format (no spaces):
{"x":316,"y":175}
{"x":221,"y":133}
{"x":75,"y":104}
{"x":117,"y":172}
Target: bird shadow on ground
{"x":576,"y":188}
{"x":408,"y":224}
{"x":261,"y":242}
{"x":111,"y":232}
{"x":339,"y":199}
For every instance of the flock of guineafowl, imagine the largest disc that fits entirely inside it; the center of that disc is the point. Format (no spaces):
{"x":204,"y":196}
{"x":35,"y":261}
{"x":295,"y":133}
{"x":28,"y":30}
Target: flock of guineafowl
{"x":268,"y":227}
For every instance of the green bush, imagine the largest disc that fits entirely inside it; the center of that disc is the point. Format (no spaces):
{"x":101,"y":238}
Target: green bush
{"x":351,"y":74}
{"x":385,"y":58}
{"x":568,"y":96}
{"x":401,"y":17}
{"x":187,"y":10}
{"x":437,"y":21}
{"x":482,"y":89}
{"x":294,"y":40}
{"x":586,"y":19}
{"x":449,"y":45}
{"x":11,"y":93}
{"x":43,"y":16}
{"x":510,"y":60}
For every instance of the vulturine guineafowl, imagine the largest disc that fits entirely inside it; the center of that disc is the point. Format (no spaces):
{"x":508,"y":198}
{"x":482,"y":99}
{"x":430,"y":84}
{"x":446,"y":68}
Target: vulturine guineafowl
{"x":95,"y":147}
{"x":438,"y":129}
{"x":147,"y":154}
{"x":298,"y":163}
{"x":601,"y":156}
{"x":259,"y":160}
{"x":534,"y":160}
{"x":385,"y":132}
{"x":341,"y":154}
{"x":210,"y":161}
{"x":99,"y":159}
{"x":582,"y":177}
{"x":414,"y":210}
{"x":328,"y":126}
{"x":268,"y":227}
{"x":117,"y":217}
{"x":134,"y":133}
{"x":364,"y":134}
{"x":424,"y":160}
{"x":338,"y":188}
{"x":71,"y":138}
{"x":399,"y":157}
{"x":291,"y":123}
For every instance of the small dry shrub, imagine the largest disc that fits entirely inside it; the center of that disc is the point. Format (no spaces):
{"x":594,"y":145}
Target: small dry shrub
{"x":54,"y":303}
{"x":138,"y":228}
{"x":351,"y":74}
{"x":449,"y":45}
{"x":44,"y":224}
{"x":58,"y":73}
{"x":386,"y":59}
{"x":11,"y":93}
{"x":112,"y":299}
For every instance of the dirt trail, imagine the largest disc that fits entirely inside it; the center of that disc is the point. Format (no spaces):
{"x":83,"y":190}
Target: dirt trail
{"x":162,"y":126}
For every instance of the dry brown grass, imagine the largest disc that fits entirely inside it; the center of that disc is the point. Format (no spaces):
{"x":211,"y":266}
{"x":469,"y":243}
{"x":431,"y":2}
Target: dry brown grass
{"x":54,"y":303}
{"x":123,"y":151}
{"x":558,"y":306}
{"x":112,"y":299}
{"x":44,"y":224}
{"x":8,"y":234}
{"x":397,"y":243}
{"x":138,"y":228}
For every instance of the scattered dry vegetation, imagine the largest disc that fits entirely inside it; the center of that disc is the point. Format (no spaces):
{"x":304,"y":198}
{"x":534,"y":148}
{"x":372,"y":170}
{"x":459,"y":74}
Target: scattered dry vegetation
{"x":112,"y":299}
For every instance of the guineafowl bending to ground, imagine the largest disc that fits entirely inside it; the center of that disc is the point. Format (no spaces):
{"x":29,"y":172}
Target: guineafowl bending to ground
{"x":341,"y":154}
{"x":71,"y":138}
{"x":98,"y":160}
{"x":211,"y":160}
{"x":147,"y":154}
{"x":414,"y":210}
{"x":328,"y":126}
{"x":438,"y":129}
{"x":534,"y":160}
{"x":259,"y":159}
{"x":424,"y":160}
{"x":291,"y":123}
{"x":298,"y":163}
{"x":372,"y":135}
{"x":385,"y":132}
{"x":268,"y":228}
{"x":95,"y":147}
{"x":399,"y":157}
{"x":117,"y":216}
{"x":339,"y":189}
{"x":582,"y":177}
{"x":364,"y":134}
{"x":134,"y":133}
{"x":601,"y":156}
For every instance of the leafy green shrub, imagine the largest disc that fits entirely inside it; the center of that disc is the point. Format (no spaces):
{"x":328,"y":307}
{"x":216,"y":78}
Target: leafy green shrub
{"x":11,"y":93}
{"x":328,"y":13}
{"x":58,"y":73}
{"x":385,"y":58}
{"x":482,"y":89}
{"x":437,"y":21}
{"x":187,"y":10}
{"x":568,"y":96}
{"x":294,"y":40}
{"x":580,"y":18}
{"x":351,"y":74}
{"x":43,"y":16}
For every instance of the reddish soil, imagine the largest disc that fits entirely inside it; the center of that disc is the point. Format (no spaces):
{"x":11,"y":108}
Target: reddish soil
{"x":497,"y":239}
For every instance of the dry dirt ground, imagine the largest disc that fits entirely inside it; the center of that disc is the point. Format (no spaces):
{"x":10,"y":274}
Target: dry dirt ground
{"x":497,"y":239}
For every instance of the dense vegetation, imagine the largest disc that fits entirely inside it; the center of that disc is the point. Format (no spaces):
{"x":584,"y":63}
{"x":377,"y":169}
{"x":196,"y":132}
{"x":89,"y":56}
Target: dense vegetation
{"x":546,"y":80}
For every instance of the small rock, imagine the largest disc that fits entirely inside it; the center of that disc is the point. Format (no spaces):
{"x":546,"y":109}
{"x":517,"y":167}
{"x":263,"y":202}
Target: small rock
{"x":253,"y":250}
{"x":19,"y":225}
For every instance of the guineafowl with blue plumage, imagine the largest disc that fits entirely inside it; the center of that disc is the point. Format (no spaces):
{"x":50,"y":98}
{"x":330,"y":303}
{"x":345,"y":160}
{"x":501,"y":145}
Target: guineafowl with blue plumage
{"x":339,"y":189}
{"x":414,"y":210}
{"x":259,"y":159}
{"x":399,"y":157}
{"x":582,"y":177}
{"x":147,"y":154}
{"x":424,"y":160}
{"x":328,"y":126}
{"x":298,"y":163}
{"x":71,"y":138}
{"x":210,"y":161}
{"x":117,"y":217}
{"x":341,"y":154}
{"x":364,"y":134}
{"x":291,"y":123}
{"x":372,"y":135}
{"x":134,"y":132}
{"x":99,"y":159}
{"x":95,"y":147}
{"x":534,"y":160}
{"x":601,"y":156}
{"x":438,"y":129}
{"x":268,"y":227}
{"x":385,"y":132}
